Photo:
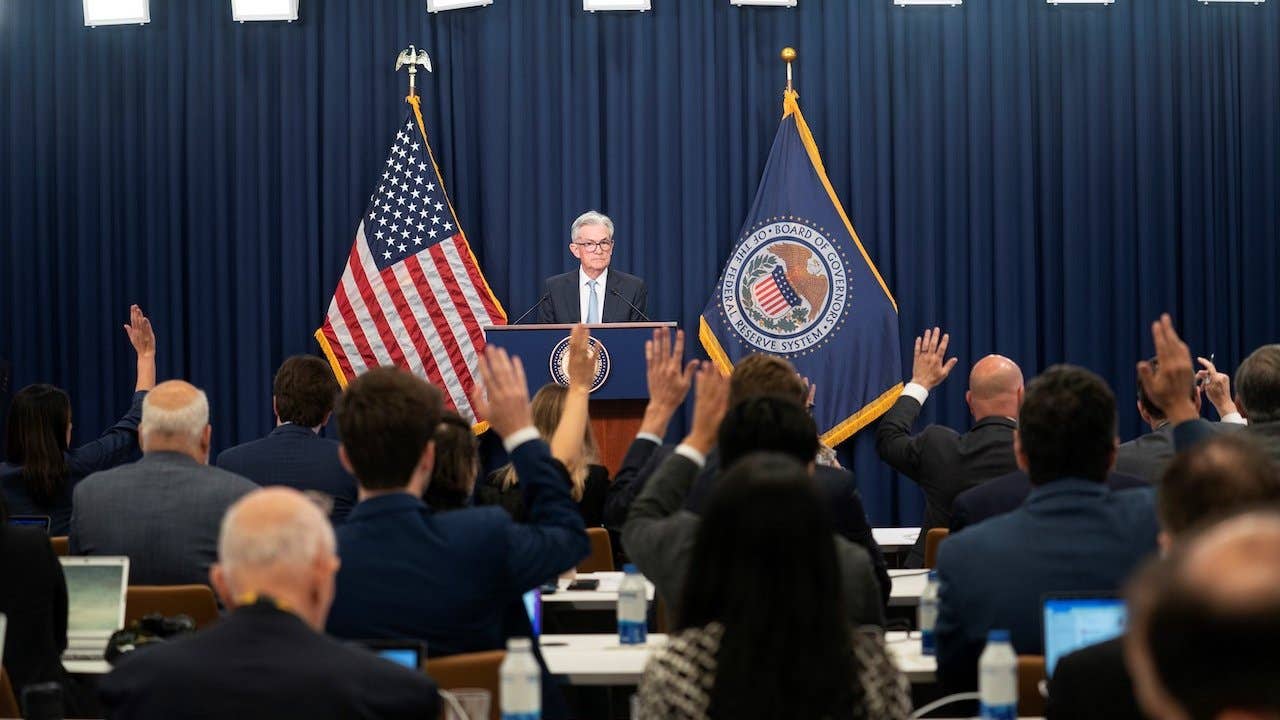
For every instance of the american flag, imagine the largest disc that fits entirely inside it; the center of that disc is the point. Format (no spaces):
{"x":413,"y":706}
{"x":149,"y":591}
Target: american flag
{"x":412,"y":294}
{"x":774,"y":293}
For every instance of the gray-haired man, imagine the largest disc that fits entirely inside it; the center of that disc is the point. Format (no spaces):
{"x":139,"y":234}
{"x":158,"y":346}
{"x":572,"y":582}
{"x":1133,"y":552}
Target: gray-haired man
{"x":593,"y":293}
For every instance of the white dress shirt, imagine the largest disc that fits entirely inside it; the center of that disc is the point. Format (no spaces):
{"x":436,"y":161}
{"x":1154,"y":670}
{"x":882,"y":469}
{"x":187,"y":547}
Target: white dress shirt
{"x":584,"y":292}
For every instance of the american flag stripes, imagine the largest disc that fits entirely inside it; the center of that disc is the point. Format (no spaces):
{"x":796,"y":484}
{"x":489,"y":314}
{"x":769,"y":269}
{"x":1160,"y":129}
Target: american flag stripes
{"x":411,"y":294}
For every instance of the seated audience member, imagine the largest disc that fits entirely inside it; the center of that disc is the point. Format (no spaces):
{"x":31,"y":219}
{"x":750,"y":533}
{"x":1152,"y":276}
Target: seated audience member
{"x":1226,"y":475}
{"x":294,"y":454}
{"x":453,"y":478}
{"x":162,"y":511}
{"x":41,"y":471}
{"x":1073,"y":534}
{"x":34,"y":599}
{"x":269,"y":657}
{"x":590,"y":479}
{"x":1257,"y":390}
{"x":745,"y":649}
{"x":941,"y":461}
{"x":1204,"y":625}
{"x":756,"y":375}
{"x":1007,"y":493}
{"x":659,"y":535}
{"x":1146,"y":456}
{"x":450,"y":578}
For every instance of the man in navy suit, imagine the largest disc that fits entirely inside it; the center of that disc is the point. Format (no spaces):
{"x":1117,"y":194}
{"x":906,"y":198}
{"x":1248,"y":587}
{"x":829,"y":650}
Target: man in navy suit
{"x":294,"y":454}
{"x":448,"y":579}
{"x":1073,"y":534}
{"x":1007,"y":493}
{"x":593,"y":293}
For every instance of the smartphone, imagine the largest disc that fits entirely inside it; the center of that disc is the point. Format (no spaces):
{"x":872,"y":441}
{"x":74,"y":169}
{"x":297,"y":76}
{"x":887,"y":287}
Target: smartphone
{"x":584,"y":584}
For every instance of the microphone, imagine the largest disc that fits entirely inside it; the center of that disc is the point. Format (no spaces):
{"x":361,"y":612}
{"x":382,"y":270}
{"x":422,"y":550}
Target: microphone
{"x":535,"y":307}
{"x":630,"y":304}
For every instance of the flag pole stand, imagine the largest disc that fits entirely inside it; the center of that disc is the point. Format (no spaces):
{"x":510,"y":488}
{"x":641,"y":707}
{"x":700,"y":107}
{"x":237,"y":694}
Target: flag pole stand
{"x":788,"y":56}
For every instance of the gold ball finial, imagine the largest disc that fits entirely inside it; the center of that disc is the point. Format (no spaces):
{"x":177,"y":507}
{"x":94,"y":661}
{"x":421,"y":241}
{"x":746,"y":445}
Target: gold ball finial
{"x":788,"y":54}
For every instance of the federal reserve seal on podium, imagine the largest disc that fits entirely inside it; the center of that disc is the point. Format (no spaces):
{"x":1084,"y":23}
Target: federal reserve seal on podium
{"x":559,"y":362}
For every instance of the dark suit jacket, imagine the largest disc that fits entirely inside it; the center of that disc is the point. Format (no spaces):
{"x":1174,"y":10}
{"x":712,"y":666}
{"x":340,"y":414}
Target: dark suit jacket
{"x":835,"y":485}
{"x":660,"y":536}
{"x":119,"y":444}
{"x":446,"y":578}
{"x":511,"y":499}
{"x":163,"y":511}
{"x":1146,"y":456}
{"x":1070,"y":536}
{"x":941,"y":461}
{"x":33,"y":595}
{"x":295,"y":456}
{"x":1192,"y":432}
{"x":1007,"y":493}
{"x":261,"y":662}
{"x":564,"y":301}
{"x":1093,"y":683}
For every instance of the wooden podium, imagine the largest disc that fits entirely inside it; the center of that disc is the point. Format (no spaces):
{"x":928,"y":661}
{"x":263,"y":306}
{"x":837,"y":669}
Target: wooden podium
{"x":620,"y":391}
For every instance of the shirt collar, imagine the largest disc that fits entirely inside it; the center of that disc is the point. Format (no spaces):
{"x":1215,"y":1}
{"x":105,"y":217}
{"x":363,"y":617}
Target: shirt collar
{"x":583,"y":279}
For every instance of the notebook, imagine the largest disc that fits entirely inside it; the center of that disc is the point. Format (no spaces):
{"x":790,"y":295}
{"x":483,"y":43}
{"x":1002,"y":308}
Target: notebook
{"x":96,"y":589}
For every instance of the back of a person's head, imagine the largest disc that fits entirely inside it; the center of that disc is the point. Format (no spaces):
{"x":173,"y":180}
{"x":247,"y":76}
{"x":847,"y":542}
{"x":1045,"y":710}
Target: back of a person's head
{"x":1211,"y":623}
{"x":783,"y":653}
{"x":304,"y":390}
{"x":1258,"y":384}
{"x":36,"y":431}
{"x":760,"y":374}
{"x":174,"y":414}
{"x":1223,"y":476}
{"x":1148,"y":406}
{"x":454,"y":473}
{"x":767,"y":423}
{"x":386,"y":417}
{"x":1067,"y":426}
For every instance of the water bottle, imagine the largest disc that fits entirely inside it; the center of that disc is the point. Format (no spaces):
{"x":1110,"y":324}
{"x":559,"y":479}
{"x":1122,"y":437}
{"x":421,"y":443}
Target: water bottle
{"x":633,"y":608}
{"x":998,"y":678}
{"x":927,"y":614}
{"x":521,"y":682}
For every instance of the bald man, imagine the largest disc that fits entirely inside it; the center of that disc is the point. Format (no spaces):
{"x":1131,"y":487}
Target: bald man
{"x":162,"y":511}
{"x":940,"y":460}
{"x":1205,"y":624}
{"x":269,"y":657}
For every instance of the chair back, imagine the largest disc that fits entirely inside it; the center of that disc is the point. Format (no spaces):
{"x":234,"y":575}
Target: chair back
{"x":8,"y":701}
{"x":601,"y":557}
{"x":61,"y":545}
{"x":470,"y":670}
{"x":932,"y":540}
{"x":1030,"y":673}
{"x":195,"y":601}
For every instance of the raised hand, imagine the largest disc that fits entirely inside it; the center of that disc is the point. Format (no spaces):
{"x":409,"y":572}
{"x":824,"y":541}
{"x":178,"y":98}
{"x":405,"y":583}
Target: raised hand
{"x":1217,"y":386}
{"x":1167,"y":384}
{"x":929,"y":369}
{"x":141,"y":336}
{"x":668,"y":383}
{"x":711,"y":401}
{"x":581,"y":358}
{"x":504,"y":398}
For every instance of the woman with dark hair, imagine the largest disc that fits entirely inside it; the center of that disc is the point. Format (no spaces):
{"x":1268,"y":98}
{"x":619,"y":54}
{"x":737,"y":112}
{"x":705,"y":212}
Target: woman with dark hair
{"x":590,"y":479}
{"x":762,"y":631}
{"x":453,"y":476}
{"x":40,"y":471}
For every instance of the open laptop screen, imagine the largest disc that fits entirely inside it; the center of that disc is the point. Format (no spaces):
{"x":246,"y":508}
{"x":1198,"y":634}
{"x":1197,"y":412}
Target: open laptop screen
{"x":1079,"y":620}
{"x":40,"y":521}
{"x":95,"y":594}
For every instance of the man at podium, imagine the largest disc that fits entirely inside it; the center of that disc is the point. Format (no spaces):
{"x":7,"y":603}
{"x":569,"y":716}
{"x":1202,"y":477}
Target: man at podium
{"x":593,"y":293}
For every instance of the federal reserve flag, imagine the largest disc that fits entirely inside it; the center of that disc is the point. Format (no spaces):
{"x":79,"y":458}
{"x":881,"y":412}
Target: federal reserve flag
{"x":800,"y":285}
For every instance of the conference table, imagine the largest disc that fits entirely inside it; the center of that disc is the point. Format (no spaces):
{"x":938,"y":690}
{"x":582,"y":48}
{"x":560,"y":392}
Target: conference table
{"x":895,"y":539}
{"x":604,"y":597}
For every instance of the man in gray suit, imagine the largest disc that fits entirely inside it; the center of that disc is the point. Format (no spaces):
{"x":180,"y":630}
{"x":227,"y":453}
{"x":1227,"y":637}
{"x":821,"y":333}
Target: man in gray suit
{"x":163,"y":511}
{"x":1147,"y":456}
{"x":659,"y":535}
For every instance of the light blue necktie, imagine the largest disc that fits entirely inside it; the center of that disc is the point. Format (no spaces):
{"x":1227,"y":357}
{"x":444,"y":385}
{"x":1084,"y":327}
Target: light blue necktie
{"x":593,"y":305}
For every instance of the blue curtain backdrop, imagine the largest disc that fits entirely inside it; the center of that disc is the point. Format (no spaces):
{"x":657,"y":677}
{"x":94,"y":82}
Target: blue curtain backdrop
{"x":1040,"y":181}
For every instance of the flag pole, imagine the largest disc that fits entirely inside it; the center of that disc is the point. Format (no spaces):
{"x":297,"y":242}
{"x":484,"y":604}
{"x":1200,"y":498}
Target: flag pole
{"x":413,"y":57}
{"x":788,"y":55}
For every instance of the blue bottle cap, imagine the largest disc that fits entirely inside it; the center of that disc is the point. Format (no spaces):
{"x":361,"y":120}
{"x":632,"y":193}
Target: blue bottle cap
{"x":997,"y":636}
{"x":933,"y":575}
{"x":630,"y":569}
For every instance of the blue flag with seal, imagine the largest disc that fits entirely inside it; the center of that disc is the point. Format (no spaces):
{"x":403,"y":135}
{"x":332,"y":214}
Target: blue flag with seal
{"x":800,"y":285}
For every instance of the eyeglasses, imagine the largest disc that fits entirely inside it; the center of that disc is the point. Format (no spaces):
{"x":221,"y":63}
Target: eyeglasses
{"x":602,"y":246}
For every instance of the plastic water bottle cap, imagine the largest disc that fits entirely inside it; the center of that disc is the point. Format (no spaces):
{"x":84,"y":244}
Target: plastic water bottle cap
{"x":519,"y":643}
{"x":933,"y":575}
{"x":630,"y":569}
{"x":998,"y":636}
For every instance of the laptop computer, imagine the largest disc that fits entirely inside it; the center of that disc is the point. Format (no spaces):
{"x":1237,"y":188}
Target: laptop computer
{"x":532,"y":601}
{"x":41,"y":521}
{"x":407,"y":653}
{"x":1076,"y":620}
{"x":96,"y":589}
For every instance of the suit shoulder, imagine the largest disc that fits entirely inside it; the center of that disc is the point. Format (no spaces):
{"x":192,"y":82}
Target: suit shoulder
{"x":625,"y":277}
{"x":229,"y":481}
{"x":562,"y":278}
